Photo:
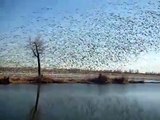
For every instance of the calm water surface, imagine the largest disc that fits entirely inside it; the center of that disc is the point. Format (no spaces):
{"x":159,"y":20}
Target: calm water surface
{"x":82,"y":102}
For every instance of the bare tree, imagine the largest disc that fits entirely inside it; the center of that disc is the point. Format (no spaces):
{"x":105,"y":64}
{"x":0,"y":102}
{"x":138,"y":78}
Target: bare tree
{"x":37,"y":46}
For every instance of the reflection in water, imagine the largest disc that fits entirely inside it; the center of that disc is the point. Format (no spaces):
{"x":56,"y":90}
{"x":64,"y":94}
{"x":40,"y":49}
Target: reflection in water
{"x":34,"y":114}
{"x":82,"y":102}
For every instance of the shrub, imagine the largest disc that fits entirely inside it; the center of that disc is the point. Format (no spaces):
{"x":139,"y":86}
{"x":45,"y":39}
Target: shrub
{"x":4,"y":80}
{"x":101,"y":79}
{"x":120,"y":80}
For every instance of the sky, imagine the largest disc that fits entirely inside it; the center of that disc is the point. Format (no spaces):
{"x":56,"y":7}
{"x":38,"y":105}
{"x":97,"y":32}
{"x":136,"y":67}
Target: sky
{"x":83,"y":34}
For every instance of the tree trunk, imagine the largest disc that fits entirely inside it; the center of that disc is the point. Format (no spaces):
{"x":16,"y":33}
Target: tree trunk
{"x":39,"y":66}
{"x":38,"y":87}
{"x":39,"y":81}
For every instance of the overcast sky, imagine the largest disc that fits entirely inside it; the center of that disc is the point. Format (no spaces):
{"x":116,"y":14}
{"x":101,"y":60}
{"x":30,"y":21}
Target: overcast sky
{"x":86,"y":34}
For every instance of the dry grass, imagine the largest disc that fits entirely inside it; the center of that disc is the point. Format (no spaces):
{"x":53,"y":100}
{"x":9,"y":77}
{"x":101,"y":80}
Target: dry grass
{"x":27,"y":75}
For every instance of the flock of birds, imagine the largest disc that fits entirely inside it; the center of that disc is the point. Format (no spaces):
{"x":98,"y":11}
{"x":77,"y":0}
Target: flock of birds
{"x":96,"y":39}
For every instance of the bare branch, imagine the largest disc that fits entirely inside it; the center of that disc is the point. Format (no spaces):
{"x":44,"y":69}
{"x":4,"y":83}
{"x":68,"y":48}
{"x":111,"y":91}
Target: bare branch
{"x":37,"y":46}
{"x":34,"y":53}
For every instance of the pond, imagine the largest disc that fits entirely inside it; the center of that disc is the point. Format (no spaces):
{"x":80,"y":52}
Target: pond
{"x":81,"y":102}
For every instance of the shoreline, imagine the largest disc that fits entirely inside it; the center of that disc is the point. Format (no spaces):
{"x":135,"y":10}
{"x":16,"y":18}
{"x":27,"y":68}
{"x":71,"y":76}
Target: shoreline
{"x":60,"y":76}
{"x":67,"y":79}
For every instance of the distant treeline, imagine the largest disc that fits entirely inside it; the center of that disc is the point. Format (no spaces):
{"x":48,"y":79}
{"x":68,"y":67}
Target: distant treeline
{"x":56,"y":70}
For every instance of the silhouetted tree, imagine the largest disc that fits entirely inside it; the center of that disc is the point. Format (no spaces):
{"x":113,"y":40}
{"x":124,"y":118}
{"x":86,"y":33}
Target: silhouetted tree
{"x":37,"y":46}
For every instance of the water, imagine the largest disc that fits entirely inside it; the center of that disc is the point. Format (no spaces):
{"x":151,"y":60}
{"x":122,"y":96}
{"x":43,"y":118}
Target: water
{"x":82,"y":102}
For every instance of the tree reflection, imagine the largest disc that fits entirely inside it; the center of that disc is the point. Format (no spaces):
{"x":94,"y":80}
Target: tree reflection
{"x":34,"y":114}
